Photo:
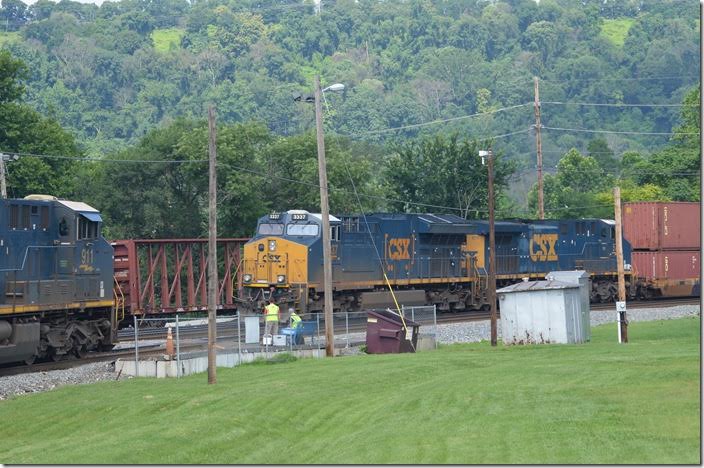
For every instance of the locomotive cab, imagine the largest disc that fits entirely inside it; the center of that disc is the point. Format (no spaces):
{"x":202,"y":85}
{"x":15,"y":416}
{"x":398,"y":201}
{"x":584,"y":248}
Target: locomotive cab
{"x":277,"y":258}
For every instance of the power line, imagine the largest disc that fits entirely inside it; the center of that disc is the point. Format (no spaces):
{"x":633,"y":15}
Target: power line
{"x":652,"y":78}
{"x":435,"y":122}
{"x":618,"y":132}
{"x":616,"y":104}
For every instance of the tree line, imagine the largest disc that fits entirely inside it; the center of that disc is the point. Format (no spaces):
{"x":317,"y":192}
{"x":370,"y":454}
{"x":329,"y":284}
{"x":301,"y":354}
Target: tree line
{"x":158,"y":187}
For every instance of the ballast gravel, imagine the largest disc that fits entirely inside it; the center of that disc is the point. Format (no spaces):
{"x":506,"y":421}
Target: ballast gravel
{"x":465,"y":332}
{"x":48,"y":380}
{"x":468,"y":332}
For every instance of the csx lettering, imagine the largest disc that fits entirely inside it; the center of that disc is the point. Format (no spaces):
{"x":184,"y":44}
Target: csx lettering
{"x":398,"y":249}
{"x":542,"y":247}
{"x":273,"y":258}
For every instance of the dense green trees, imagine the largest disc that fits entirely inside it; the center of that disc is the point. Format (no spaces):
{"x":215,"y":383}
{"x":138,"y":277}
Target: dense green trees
{"x":25,"y":132}
{"x":132,"y":81}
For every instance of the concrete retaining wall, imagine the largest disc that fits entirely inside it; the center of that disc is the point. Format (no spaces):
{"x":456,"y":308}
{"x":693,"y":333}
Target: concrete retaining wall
{"x":194,"y":365}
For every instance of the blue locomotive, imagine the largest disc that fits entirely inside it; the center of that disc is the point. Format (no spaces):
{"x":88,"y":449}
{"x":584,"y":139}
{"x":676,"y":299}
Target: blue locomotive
{"x":56,"y":279}
{"x":427,"y":258}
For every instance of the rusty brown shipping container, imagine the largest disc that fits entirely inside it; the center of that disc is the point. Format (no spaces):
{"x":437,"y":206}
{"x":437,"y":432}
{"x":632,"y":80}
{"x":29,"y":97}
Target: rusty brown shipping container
{"x":662,"y":225}
{"x":666,"y":264}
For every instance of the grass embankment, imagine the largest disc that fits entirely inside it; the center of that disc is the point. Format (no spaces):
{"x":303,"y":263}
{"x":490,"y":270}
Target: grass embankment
{"x":596,"y":403}
{"x":616,"y":30}
{"x":167,"y":39}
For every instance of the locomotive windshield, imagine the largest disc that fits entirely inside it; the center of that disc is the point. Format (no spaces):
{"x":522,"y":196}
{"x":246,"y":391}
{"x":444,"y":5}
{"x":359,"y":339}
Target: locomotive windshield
{"x":270,"y":229}
{"x":302,"y":230}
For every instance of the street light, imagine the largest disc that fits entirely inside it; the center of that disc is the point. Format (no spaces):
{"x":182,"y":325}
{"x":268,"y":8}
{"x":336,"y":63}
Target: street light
{"x":324,"y":209}
{"x":492,"y":257}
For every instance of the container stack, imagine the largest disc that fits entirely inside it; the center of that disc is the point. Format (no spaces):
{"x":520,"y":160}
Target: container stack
{"x":665,"y":242}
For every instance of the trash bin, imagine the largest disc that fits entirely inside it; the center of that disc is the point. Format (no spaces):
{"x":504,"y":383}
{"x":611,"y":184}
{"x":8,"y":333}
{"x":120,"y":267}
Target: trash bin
{"x":386,"y":333}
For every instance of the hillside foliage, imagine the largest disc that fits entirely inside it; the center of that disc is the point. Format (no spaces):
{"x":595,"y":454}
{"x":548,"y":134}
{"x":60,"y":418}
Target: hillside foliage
{"x":134,"y":78}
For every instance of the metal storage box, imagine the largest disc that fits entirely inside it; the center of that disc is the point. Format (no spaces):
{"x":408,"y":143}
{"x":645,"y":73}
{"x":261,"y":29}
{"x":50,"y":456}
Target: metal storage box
{"x":542,"y":312}
{"x":662,"y":225}
{"x":386,"y":333}
{"x":581,"y":278}
{"x":668,"y":264}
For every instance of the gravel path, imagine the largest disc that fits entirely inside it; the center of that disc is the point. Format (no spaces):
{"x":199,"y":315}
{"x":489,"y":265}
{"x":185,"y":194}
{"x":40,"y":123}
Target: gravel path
{"x":451,"y":333}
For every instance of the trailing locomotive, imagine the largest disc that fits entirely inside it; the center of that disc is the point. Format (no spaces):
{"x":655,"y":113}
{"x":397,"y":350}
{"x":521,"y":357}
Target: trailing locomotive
{"x":426,"y":258}
{"x":56,"y":279}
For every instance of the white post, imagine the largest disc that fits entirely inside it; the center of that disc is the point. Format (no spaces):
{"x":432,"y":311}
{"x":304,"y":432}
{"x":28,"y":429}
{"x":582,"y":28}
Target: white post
{"x":178,"y":351}
{"x":136,"y":347}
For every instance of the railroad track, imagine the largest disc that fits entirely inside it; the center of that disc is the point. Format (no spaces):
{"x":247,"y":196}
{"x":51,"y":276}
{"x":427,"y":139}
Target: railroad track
{"x":227,"y":332}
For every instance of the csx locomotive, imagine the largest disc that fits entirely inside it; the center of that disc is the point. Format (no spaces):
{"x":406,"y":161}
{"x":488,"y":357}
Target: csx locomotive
{"x":56,"y":279}
{"x":427,"y":258}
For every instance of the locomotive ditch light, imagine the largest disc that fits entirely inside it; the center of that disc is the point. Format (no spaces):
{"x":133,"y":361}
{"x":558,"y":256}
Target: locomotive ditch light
{"x":247,"y":278}
{"x":272,"y":245}
{"x":281,"y":279}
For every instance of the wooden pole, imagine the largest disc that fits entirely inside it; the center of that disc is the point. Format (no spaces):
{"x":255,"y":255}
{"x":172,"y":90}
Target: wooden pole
{"x":212,"y":248}
{"x":539,"y":147}
{"x":325,"y":212}
{"x":621,"y":308}
{"x":3,"y":184}
{"x":492,"y":251}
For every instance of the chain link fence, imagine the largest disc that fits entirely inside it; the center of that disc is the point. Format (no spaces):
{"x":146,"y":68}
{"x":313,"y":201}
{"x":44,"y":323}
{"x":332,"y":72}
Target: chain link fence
{"x":181,"y":336}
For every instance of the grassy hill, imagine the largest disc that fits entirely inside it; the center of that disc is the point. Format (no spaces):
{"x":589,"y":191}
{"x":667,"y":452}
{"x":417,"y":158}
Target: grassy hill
{"x":167,"y":39}
{"x":616,"y":30}
{"x":595,"y":403}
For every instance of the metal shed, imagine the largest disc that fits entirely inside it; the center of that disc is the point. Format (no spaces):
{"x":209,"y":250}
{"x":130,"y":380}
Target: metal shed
{"x":584,"y":281}
{"x":542,"y":312}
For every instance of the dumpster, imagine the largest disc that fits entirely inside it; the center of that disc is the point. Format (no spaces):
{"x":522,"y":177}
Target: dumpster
{"x":386,"y":333}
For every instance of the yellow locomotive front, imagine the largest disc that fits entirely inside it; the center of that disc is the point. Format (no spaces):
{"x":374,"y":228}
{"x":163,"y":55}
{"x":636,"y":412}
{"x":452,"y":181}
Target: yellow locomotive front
{"x":276,"y":260}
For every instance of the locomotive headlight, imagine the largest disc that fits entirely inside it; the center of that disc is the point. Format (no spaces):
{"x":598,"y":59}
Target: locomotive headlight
{"x":272,"y":245}
{"x":281,"y":279}
{"x":247,"y":278}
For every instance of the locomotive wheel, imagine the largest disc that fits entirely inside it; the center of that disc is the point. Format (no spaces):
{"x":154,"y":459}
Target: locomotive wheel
{"x":30,"y":360}
{"x":79,"y":350}
{"x":105,"y":347}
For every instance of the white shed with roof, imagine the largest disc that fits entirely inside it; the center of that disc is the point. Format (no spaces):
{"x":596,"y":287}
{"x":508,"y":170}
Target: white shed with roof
{"x":542,"y":312}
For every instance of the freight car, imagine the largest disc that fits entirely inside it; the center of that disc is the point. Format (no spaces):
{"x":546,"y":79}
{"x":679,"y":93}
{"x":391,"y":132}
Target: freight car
{"x":666,"y":240}
{"x":56,"y":277}
{"x":427,"y":258}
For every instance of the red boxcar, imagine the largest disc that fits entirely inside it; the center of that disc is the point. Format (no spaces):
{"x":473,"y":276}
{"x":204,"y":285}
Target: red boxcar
{"x":666,"y":264}
{"x":662,"y":225}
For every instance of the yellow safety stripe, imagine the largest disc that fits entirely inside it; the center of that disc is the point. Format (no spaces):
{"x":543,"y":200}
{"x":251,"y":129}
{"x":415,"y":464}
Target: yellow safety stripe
{"x":24,"y":308}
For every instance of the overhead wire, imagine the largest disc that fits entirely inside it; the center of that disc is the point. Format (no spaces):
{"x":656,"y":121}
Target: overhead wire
{"x":438,"y":121}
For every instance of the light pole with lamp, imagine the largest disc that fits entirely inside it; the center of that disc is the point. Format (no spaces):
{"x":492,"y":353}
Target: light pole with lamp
{"x":324,"y":211}
{"x":492,"y":253}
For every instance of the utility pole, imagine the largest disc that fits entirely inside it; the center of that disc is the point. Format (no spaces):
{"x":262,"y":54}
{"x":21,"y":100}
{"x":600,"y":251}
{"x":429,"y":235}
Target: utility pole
{"x":621,"y":304}
{"x":325,"y":212}
{"x":212,"y":248}
{"x":492,"y":244}
{"x":539,"y":147}
{"x":3,"y":185}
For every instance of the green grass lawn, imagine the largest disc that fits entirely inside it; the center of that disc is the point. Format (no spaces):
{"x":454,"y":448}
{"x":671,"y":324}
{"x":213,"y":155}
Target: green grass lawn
{"x":166,"y":39}
{"x":616,"y":30}
{"x":464,"y":404}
